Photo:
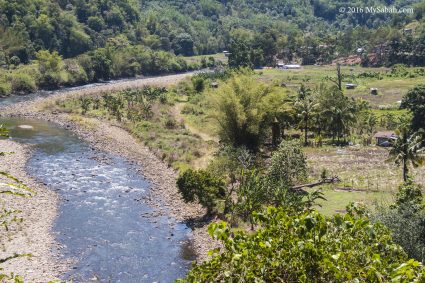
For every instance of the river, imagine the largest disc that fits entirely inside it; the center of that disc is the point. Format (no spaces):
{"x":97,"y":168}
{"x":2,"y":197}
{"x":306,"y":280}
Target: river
{"x":103,"y":222}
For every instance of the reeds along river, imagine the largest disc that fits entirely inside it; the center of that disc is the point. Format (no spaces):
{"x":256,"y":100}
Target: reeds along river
{"x":101,"y":219}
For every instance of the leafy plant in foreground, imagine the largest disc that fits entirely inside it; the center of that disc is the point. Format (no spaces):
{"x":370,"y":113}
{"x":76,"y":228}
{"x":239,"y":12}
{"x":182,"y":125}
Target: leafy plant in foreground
{"x":307,"y":247}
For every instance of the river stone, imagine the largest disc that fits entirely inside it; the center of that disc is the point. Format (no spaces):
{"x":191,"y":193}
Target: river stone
{"x":26,"y":127}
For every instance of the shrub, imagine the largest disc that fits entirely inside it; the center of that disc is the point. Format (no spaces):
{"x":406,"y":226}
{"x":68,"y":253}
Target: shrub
{"x":170,"y":123}
{"x":23,"y":83}
{"x":201,"y":186}
{"x":406,"y":220}
{"x":307,"y":247}
{"x":76,"y":73}
{"x":288,"y":164}
{"x":408,"y":228}
{"x":198,"y":84}
{"x":5,"y":89}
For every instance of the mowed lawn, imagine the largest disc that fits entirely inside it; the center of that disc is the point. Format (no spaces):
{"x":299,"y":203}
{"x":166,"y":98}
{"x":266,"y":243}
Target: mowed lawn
{"x":365,"y":175}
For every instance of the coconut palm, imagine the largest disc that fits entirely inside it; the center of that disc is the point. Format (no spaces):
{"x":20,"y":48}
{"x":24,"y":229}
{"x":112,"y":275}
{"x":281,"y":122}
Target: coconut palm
{"x":339,"y":112}
{"x":407,"y":149}
{"x":306,"y":109}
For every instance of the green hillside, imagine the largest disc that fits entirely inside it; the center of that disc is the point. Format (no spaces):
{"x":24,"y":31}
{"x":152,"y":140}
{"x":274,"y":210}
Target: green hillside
{"x":105,"y":39}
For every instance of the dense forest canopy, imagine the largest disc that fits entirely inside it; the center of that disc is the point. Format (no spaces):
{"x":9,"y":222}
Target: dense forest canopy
{"x":314,"y":31}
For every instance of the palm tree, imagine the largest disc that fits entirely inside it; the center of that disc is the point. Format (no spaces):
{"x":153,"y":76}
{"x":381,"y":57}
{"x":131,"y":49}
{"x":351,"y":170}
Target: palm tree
{"x":280,"y":114}
{"x":339,"y":112}
{"x":407,"y":149}
{"x":306,"y":109}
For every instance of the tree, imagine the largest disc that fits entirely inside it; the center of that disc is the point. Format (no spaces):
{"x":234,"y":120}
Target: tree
{"x":202,"y":187}
{"x":414,"y":101}
{"x":338,"y":80}
{"x":245,"y":51}
{"x":407,"y":149}
{"x":410,"y":194}
{"x":288,"y":166}
{"x":280,"y":113}
{"x":305,"y":246}
{"x":96,"y":23}
{"x":406,"y":219}
{"x":240,"y":111}
{"x":306,"y":107}
{"x":50,"y":66}
{"x":338,"y":111}
{"x":101,"y":64}
{"x":183,"y":44}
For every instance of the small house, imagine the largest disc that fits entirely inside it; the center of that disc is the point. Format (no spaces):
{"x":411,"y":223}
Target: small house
{"x":385,"y":138}
{"x":374,"y":91}
{"x":226,"y":53}
{"x":350,"y":86}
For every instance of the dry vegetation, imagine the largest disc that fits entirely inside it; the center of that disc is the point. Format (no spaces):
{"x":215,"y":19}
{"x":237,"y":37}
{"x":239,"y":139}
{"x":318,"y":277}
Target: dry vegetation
{"x":365,"y":175}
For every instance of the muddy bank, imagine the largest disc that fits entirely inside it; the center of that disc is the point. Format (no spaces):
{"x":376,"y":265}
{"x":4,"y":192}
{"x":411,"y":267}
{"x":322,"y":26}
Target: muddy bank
{"x":33,"y":235}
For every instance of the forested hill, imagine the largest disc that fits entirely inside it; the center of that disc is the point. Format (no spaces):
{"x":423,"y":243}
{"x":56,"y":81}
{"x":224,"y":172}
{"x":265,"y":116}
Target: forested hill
{"x":290,"y":29}
{"x":190,"y":27}
{"x":69,"y":27}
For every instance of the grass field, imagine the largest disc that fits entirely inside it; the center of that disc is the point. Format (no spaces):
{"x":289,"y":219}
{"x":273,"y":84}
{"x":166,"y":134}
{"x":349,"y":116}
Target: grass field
{"x":390,"y":89}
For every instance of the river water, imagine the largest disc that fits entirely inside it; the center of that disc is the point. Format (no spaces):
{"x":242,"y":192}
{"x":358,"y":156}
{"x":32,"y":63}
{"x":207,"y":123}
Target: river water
{"x":103,"y":222}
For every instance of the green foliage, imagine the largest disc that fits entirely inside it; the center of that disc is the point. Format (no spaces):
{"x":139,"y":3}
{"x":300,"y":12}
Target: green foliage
{"x":299,"y":247}
{"x":406,"y":219}
{"x":23,"y":83}
{"x":50,"y":66}
{"x":202,"y":187}
{"x":407,"y":149}
{"x":410,"y":194}
{"x":198,"y":84}
{"x":255,"y":32}
{"x":307,"y":107}
{"x":5,"y":89}
{"x":114,"y":104}
{"x":240,"y":111}
{"x":183,"y":44}
{"x":415,"y":102}
{"x":251,"y":195}
{"x":337,"y":111}
{"x":85,"y":104}
{"x":288,"y":165}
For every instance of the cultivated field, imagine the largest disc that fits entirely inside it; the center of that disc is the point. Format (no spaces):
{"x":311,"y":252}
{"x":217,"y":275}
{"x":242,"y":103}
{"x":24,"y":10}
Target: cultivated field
{"x":390,"y":89}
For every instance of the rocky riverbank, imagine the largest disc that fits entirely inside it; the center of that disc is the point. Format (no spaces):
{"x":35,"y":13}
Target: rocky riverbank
{"x":32,"y":236}
{"x":110,"y":137}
